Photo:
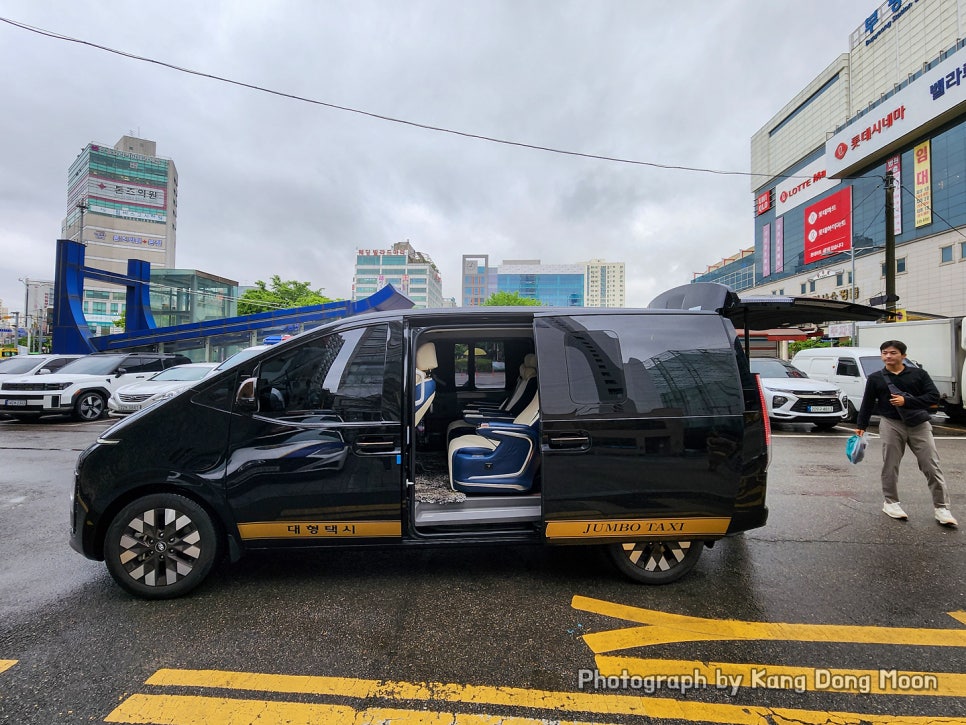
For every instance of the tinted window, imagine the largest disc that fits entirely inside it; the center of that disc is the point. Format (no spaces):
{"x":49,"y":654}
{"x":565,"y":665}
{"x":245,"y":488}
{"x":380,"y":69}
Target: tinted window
{"x":668,"y":365}
{"x":138,"y":364}
{"x":341,"y":374}
{"x":848,"y":366}
{"x":94,"y":365}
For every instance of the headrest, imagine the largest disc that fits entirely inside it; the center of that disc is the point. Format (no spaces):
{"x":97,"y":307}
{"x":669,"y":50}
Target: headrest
{"x":426,"y":356}
{"x":530,"y":360}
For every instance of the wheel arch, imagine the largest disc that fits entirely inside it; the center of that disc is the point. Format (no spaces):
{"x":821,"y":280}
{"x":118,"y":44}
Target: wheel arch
{"x":147,"y":489}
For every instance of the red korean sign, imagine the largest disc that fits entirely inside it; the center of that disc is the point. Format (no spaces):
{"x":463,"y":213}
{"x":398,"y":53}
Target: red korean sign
{"x":828,"y":226}
{"x":763,"y":202}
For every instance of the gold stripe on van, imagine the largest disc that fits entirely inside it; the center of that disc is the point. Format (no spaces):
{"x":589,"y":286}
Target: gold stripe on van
{"x":638,"y":528}
{"x":318,"y":529}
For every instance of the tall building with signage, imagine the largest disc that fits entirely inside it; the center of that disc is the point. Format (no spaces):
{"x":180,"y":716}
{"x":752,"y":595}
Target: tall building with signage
{"x":554,"y":285}
{"x":411,"y":272}
{"x":596,"y":283}
{"x":895,"y":102}
{"x":122,"y":203}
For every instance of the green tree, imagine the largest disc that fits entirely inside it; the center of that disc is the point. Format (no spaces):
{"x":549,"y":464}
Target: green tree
{"x":510,"y":299}
{"x":808,"y":344}
{"x":280,"y":295}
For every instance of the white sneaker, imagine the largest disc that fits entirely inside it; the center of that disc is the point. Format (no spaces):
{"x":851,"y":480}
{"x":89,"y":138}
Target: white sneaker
{"x":944,"y":517}
{"x":895,"y":511}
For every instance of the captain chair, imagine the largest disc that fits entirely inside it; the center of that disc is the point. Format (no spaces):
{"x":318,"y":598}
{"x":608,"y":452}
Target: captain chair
{"x":425,"y":389}
{"x":520,"y":398}
{"x":500,"y":457}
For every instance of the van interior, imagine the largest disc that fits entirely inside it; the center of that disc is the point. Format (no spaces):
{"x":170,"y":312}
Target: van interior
{"x":475,"y":457}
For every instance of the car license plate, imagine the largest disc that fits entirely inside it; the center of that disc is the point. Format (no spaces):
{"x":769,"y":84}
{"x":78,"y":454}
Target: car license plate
{"x":820,"y":409}
{"x":16,"y":402}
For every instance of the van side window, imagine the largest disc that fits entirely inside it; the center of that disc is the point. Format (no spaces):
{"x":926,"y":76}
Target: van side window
{"x":480,"y":364}
{"x":634,"y":365}
{"x":341,"y":374}
{"x":847,"y":366}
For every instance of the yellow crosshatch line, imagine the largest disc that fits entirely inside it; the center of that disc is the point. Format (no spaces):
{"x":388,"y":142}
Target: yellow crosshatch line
{"x":880,"y":682}
{"x":163,"y":709}
{"x":6,"y":664}
{"x":664,"y":628}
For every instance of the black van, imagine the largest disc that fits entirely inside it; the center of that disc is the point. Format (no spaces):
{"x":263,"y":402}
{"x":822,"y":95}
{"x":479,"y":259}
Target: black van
{"x":641,"y":430}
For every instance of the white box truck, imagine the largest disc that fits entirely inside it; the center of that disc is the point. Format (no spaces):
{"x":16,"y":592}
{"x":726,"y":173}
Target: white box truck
{"x":936,"y":345}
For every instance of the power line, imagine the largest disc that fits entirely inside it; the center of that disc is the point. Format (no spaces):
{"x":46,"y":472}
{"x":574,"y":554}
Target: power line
{"x":391,"y":119}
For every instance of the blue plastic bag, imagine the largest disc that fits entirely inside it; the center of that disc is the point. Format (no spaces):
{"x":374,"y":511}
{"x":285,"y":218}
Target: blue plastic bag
{"x":855,"y":447}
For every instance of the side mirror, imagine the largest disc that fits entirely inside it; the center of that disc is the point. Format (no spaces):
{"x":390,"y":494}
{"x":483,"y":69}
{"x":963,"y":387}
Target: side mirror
{"x":43,"y":371}
{"x":245,"y":397}
{"x":120,"y":372}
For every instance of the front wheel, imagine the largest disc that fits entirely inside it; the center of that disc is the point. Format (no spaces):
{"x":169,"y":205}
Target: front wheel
{"x":89,"y":406}
{"x":656,"y":562}
{"x":161,"y":546}
{"x":853,"y":414}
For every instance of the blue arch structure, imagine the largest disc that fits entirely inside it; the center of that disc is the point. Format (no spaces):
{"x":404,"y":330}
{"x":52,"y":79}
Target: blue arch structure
{"x":71,"y":333}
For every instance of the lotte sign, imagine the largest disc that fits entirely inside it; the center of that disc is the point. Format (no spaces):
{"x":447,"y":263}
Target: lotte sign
{"x":828,"y":226}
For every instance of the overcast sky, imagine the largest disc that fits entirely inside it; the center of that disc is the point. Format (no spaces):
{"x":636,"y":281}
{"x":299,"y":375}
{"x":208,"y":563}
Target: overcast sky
{"x":269,"y":185}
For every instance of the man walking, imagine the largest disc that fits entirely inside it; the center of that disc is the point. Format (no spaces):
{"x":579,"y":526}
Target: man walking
{"x":902,"y":396}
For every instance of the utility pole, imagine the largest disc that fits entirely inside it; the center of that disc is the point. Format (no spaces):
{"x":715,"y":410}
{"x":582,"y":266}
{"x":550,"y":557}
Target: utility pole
{"x":890,"y":249}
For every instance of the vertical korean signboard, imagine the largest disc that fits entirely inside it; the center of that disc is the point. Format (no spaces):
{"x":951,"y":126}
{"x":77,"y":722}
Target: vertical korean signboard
{"x":828,"y":226}
{"x":766,"y":250}
{"x":923,"y":189}
{"x":895,"y":166}
{"x":780,"y":244}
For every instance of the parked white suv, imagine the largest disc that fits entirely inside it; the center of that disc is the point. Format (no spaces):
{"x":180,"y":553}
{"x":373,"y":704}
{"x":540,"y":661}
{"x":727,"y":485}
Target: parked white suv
{"x":81,"y":388}
{"x":792,"y":397}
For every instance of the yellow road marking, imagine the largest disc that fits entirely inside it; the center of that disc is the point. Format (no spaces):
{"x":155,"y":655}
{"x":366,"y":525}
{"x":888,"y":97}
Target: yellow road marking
{"x":193,"y":710}
{"x":7,"y":664}
{"x":800,"y":679}
{"x":186,"y":710}
{"x":664,"y":628}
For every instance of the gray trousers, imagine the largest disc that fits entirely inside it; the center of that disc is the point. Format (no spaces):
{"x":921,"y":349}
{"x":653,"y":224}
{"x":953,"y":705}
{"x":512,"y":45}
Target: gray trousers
{"x":895,"y":436}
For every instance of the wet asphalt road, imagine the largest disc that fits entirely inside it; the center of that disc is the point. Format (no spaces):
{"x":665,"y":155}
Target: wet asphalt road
{"x":73,"y":647}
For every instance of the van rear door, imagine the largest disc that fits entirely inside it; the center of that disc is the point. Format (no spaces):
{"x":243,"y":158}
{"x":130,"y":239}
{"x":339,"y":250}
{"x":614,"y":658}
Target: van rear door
{"x":642,"y":424}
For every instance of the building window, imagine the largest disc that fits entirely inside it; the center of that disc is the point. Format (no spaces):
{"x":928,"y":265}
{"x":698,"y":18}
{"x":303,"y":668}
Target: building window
{"x":811,"y":285}
{"x":839,"y":279}
{"x":901,"y":264}
{"x":946,"y":254}
{"x":803,"y":288}
{"x":962,"y":250}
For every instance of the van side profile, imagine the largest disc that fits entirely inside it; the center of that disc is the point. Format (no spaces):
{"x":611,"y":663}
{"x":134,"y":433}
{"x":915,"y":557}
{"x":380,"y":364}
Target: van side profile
{"x":644,"y":432}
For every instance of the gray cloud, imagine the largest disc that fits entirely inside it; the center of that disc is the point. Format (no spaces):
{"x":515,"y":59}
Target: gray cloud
{"x":268,"y":185}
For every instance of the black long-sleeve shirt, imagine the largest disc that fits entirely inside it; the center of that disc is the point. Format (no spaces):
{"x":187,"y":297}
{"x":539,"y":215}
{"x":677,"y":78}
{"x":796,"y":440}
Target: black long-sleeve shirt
{"x":914,"y":385}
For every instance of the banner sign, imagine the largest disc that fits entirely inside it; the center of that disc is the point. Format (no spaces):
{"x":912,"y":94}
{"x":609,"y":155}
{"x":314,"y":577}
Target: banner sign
{"x":780,"y":244}
{"x":923,"y":187}
{"x":766,"y":250}
{"x":828,"y":226}
{"x":895,"y":166}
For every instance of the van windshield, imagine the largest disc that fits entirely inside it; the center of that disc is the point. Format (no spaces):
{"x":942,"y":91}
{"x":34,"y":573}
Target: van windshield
{"x":870,"y":364}
{"x":18,"y":365}
{"x":773,"y":368}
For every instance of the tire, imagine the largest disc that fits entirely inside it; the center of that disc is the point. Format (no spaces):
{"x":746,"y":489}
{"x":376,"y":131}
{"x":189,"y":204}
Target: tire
{"x":656,"y":562}
{"x":826,"y":424}
{"x":90,"y":405}
{"x":853,"y":414}
{"x":161,"y":546}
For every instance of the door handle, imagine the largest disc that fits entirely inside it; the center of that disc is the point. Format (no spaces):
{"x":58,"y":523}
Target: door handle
{"x":569,"y":441}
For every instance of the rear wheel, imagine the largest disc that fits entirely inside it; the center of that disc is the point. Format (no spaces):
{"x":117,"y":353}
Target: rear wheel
{"x":161,"y":546}
{"x":89,"y":405}
{"x":656,"y":562}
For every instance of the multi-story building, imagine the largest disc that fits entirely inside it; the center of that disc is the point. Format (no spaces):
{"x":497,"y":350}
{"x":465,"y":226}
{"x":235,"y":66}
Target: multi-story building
{"x":479,"y":279}
{"x":895,"y":102}
{"x":554,"y":285}
{"x":181,"y":296}
{"x":122,"y":203}
{"x":604,"y":284}
{"x":410,"y":272}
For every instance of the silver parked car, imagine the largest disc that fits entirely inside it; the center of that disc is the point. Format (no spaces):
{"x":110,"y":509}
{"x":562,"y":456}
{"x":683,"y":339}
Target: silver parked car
{"x":165,"y":384}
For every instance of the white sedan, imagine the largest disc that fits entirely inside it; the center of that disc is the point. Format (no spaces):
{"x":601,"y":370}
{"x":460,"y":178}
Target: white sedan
{"x":165,"y":384}
{"x":793,"y":397}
